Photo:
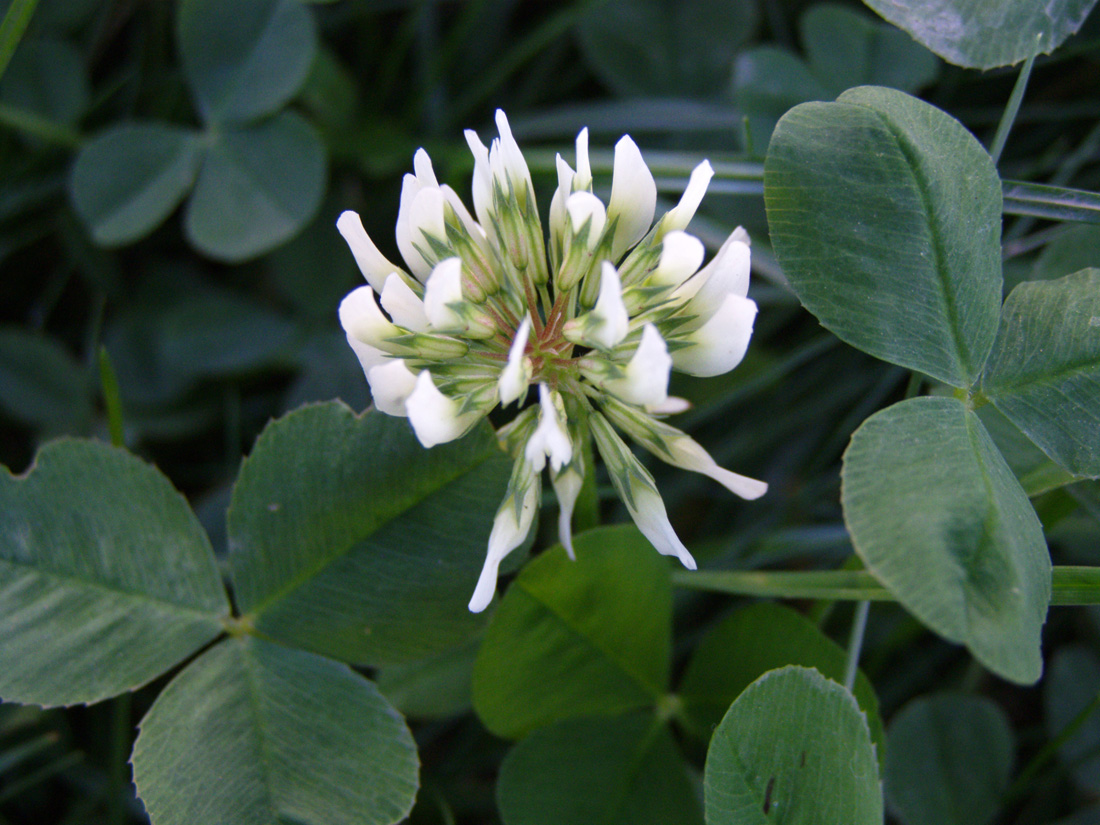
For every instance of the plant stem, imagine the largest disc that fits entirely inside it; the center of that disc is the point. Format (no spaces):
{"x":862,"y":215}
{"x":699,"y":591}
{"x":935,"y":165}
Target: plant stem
{"x":111,"y":397}
{"x":1009,"y":116}
{"x":39,"y":127}
{"x":855,"y":644}
{"x":117,"y":778}
{"x":1071,"y":585}
{"x":12,"y":28}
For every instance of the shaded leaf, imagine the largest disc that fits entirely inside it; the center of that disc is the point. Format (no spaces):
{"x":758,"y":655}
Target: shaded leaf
{"x":1044,"y":371}
{"x":41,"y":384}
{"x":350,"y":539}
{"x":936,"y":514}
{"x":619,"y":771}
{"x":255,"y":733}
{"x":793,"y":749}
{"x":580,"y":638}
{"x":665,"y":47}
{"x":106,"y":578}
{"x":438,"y":686}
{"x":752,"y":641}
{"x":982,"y":35}
{"x":47,"y":77}
{"x":128,"y":179}
{"x":950,"y":760}
{"x":257,"y":187}
{"x":245,"y":59}
{"x":1071,"y":685}
{"x":885,"y":214}
{"x":847,"y":49}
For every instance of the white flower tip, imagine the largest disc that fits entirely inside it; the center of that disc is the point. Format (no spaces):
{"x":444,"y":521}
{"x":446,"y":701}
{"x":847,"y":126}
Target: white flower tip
{"x":565,"y":533}
{"x":486,"y":586}
{"x":371,"y":262}
{"x":751,"y":489}
{"x":633,"y":196}
{"x":349,"y":222}
{"x":672,"y":405}
{"x":422,"y":166}
{"x":687,"y":560}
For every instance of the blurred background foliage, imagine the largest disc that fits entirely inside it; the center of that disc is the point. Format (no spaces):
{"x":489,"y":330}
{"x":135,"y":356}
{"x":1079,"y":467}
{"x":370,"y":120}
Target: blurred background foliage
{"x":171,"y":175}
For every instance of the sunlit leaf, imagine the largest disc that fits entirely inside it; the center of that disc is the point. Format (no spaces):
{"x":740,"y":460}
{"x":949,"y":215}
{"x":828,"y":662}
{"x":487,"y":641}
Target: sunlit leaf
{"x":577,"y":638}
{"x":253,"y":733}
{"x":885,"y":214}
{"x":982,"y":35}
{"x":1044,"y":372}
{"x":938,"y":517}
{"x":106,"y":578}
{"x":350,"y":539}
{"x":794,"y":749}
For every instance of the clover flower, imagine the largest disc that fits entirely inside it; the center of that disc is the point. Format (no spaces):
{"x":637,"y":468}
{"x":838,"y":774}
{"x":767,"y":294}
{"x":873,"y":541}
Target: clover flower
{"x":485,"y":310}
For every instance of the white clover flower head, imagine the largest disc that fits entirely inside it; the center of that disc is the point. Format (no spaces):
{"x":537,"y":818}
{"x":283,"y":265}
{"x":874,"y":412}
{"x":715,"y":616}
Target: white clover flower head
{"x":595,"y":316}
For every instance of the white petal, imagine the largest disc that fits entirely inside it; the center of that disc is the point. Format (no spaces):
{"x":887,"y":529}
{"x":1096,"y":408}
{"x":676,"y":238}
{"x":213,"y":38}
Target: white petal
{"x":649,"y":514}
{"x":422,"y":166}
{"x":680,"y":216}
{"x":369,"y":357}
{"x":483,"y":182}
{"x":690,"y":455}
{"x":549,"y":439}
{"x":363,"y":320}
{"x":508,"y":533}
{"x":728,"y":272}
{"x":410,"y":189}
{"x":610,"y":311}
{"x":444,"y":287}
{"x":633,"y":197}
{"x":372,"y":263}
{"x":512,"y":160}
{"x":567,"y":487}
{"x":435,"y":418}
{"x":584,"y":168}
{"x":403,"y":305}
{"x":646,"y":380}
{"x":426,"y":217}
{"x":670,"y":406}
{"x":516,"y":374}
{"x":681,"y":255}
{"x":390,"y":386}
{"x":557,"y":203}
{"x":582,"y":207}
{"x":455,"y":202}
{"x":719,"y":345}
